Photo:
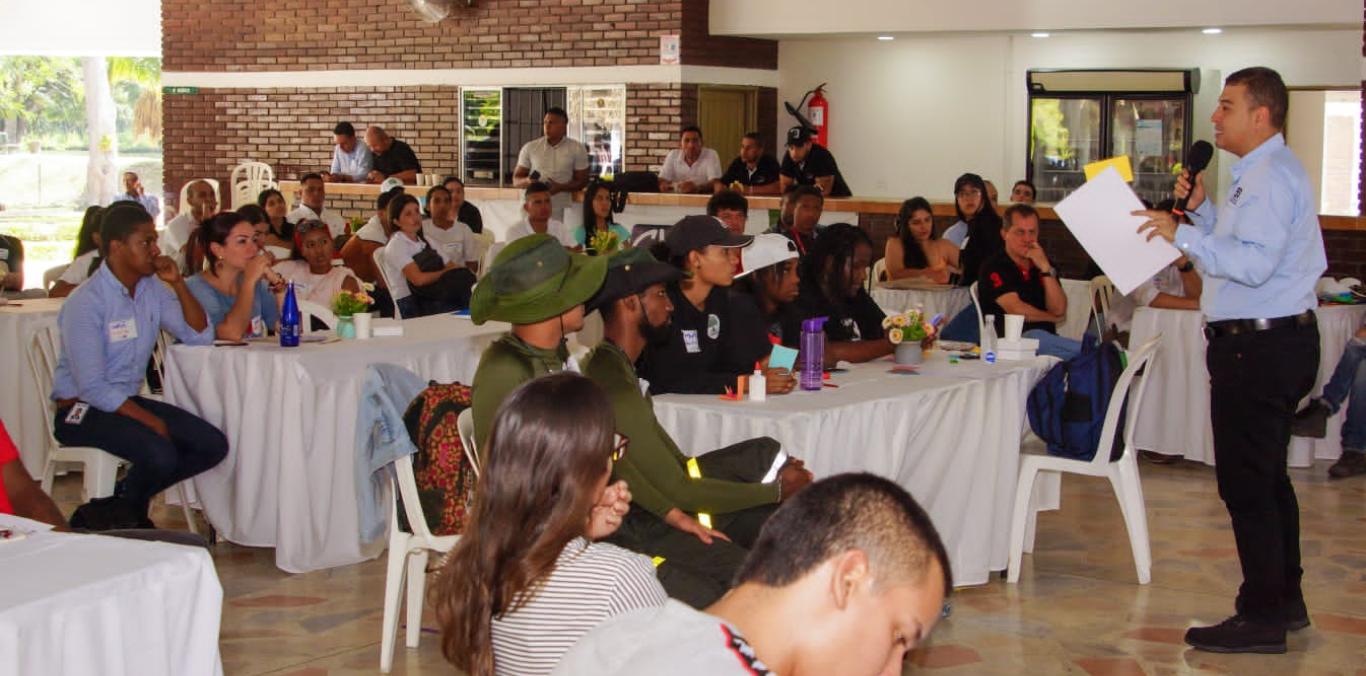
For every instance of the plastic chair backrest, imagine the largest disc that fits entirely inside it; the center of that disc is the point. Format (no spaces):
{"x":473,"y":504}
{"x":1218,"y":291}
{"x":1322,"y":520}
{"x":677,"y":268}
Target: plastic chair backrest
{"x":308,"y":311}
{"x":378,"y":257}
{"x":1102,"y":291}
{"x":1137,"y":359}
{"x":486,"y":241}
{"x":489,"y":256}
{"x":465,"y":424}
{"x":879,"y":270}
{"x":44,"y":348}
{"x":248,"y":179}
{"x":52,"y":274}
{"x":406,"y":481}
{"x":977,"y":305}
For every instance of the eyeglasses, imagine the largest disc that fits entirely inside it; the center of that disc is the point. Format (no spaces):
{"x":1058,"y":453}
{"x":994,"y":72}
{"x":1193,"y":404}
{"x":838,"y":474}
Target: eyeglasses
{"x":619,"y":444}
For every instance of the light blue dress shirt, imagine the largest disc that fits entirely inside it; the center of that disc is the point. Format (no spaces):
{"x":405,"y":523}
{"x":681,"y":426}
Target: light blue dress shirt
{"x":108,"y":336}
{"x":355,"y":164}
{"x":956,"y":233}
{"x":1262,"y":252}
{"x":148,"y":202}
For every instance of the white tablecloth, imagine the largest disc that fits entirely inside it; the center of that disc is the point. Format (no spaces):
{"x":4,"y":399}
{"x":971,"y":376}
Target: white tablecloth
{"x":1175,"y":415}
{"x":290,"y":416}
{"x":93,"y":604}
{"x":950,"y":435}
{"x":19,"y":408}
{"x":952,"y":301}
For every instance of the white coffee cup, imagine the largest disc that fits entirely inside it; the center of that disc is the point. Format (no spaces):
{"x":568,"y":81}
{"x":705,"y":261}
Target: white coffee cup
{"x":362,"y":322}
{"x":1014,"y":326}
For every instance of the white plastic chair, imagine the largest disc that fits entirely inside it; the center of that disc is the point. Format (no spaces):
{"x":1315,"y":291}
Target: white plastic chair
{"x":486,"y":241}
{"x":879,"y":269}
{"x":308,"y":311}
{"x":98,"y":468}
{"x":53,"y":274}
{"x":1102,"y":292}
{"x":977,"y":305}
{"x":183,"y":204}
{"x":407,"y":558}
{"x":489,"y":256}
{"x":378,"y":257}
{"x":465,"y":424}
{"x":248,"y":179}
{"x":1122,"y":473}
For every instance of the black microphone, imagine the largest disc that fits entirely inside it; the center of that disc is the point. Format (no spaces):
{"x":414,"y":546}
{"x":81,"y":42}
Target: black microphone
{"x":1197,"y":158}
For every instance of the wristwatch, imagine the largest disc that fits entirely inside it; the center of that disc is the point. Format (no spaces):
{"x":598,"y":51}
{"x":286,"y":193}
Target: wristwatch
{"x":1190,"y":265}
{"x":1052,"y":272}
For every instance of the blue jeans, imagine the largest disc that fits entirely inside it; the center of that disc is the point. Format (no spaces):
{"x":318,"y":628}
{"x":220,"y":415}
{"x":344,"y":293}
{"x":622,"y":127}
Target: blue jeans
{"x":963,"y":327}
{"x":1348,"y":384}
{"x":1053,"y":345}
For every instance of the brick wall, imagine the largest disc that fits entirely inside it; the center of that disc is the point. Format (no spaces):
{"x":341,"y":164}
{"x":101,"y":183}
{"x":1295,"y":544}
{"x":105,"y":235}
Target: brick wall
{"x":700,"y":48}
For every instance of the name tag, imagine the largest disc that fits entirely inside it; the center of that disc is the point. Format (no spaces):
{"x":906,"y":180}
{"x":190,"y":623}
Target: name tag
{"x":77,"y":413}
{"x":690,"y":342}
{"x":4,"y":254}
{"x":123,"y":329}
{"x":258,"y":326}
{"x":644,"y":386}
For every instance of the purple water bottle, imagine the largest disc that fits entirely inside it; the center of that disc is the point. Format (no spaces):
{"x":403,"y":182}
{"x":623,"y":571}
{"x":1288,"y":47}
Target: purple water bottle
{"x":813,"y":352}
{"x":289,"y":319}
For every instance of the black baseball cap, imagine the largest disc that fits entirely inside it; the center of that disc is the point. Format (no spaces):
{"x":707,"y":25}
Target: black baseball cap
{"x":629,"y":272}
{"x":699,"y":232}
{"x":798,"y":135}
{"x":344,"y":128}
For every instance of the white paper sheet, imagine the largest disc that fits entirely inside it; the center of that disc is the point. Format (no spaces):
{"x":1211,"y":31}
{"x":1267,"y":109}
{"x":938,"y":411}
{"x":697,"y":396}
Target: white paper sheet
{"x":1098,"y":214}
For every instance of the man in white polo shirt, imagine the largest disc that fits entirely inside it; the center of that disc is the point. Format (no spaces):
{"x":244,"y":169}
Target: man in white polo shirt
{"x":556,"y":160}
{"x":311,"y":206}
{"x":690,"y":168}
{"x":537,"y":219}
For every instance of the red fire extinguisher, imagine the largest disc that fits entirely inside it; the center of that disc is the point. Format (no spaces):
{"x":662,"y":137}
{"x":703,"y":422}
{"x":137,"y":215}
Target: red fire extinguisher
{"x":818,"y":112}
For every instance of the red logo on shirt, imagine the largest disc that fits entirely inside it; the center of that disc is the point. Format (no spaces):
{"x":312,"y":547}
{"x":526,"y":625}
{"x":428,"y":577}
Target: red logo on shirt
{"x":996,"y":281}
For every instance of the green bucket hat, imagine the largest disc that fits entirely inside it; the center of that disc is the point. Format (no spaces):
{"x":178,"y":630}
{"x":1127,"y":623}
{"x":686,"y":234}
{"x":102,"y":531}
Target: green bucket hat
{"x":533,"y":279}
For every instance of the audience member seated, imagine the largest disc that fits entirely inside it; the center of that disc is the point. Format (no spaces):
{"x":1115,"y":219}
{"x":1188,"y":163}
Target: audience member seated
{"x":260,"y":223}
{"x":833,"y":285}
{"x":464,"y":211}
{"x":20,"y":495}
{"x":848,"y":577}
{"x":597,"y":217}
{"x":424,"y":281}
{"x":697,"y":358}
{"x":530,"y":576}
{"x":981,"y":232}
{"x":786,"y":205}
{"x":725,"y":488}
{"x":991,"y":192}
{"x":538,"y":288}
{"x":807,"y":204}
{"x":970,"y":200}
{"x":537,"y":206}
{"x":134,"y":192}
{"x":1023,"y":192}
{"x":1347,"y":385}
{"x":731,"y":208}
{"x":238,"y":290}
{"x":1021,"y":281}
{"x":554,"y":159}
{"x":754,"y":172}
{"x":351,"y":159}
{"x":392,"y":158}
{"x":451,"y":238}
{"x":87,"y":258}
{"x":279,"y":229}
{"x":311,"y":208}
{"x":358,"y":252}
{"x":915,"y":251}
{"x":764,"y":300}
{"x":689,"y":168}
{"x":1175,"y":287}
{"x":109,"y":327}
{"x":315,"y":278}
{"x":809,"y":163}
{"x":179,"y":237}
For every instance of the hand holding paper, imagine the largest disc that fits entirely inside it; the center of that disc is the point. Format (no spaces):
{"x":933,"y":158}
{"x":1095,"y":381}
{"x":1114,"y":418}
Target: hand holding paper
{"x":1100,"y":215}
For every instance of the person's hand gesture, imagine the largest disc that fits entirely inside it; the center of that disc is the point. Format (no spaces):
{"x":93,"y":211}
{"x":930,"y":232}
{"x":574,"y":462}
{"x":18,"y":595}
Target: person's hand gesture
{"x":1194,"y":194}
{"x":166,"y":270}
{"x":682,"y":521}
{"x":611,"y":507}
{"x":1036,"y":255}
{"x":779,"y":381}
{"x":1159,"y":224}
{"x":794,"y":476}
{"x":259,"y":267}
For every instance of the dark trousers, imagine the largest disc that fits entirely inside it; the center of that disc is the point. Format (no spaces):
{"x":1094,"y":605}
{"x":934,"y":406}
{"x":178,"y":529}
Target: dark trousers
{"x":694,"y":572}
{"x":1256,"y":381}
{"x":157,"y":463}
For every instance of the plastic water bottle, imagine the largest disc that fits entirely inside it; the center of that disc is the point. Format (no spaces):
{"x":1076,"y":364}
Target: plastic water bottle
{"x":758,"y":384}
{"x":813,"y":353}
{"x":289,"y":319}
{"x":989,"y":339}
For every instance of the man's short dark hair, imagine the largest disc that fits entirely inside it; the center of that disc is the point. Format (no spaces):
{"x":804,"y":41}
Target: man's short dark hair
{"x":840,"y":513}
{"x":1033,"y":191}
{"x":310,"y":176}
{"x":727,"y":199}
{"x":533,"y":188}
{"x":382,"y":202}
{"x":344,"y":129}
{"x":755,"y":137}
{"x":807,"y":191}
{"x":119,"y":221}
{"x":688,"y":128}
{"x":558,"y":112}
{"x":1264,"y":88}
{"x":1020,"y":210}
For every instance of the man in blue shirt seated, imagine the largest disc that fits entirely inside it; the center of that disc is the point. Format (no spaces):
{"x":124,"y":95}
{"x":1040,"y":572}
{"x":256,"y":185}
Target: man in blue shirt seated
{"x":109,"y":327}
{"x":1348,"y":385}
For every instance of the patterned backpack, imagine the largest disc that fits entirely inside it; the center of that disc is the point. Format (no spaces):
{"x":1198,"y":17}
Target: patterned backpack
{"x":445,"y":480}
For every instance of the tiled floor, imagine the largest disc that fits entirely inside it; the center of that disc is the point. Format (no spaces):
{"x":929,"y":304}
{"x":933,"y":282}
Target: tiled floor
{"x":1077,"y":609}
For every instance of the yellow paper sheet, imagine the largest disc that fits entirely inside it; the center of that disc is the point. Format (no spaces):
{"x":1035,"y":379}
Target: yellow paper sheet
{"x":1121,"y":164}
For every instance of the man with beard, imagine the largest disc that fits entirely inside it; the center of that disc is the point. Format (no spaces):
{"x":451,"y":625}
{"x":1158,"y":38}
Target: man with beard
{"x":697,"y":516}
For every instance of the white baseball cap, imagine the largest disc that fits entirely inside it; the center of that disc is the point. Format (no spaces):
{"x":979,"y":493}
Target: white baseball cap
{"x":389,"y":184}
{"x":766,"y":249}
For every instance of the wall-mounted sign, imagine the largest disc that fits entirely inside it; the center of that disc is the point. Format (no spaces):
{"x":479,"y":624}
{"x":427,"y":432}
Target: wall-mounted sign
{"x":668,"y":50}
{"x":179,"y":91}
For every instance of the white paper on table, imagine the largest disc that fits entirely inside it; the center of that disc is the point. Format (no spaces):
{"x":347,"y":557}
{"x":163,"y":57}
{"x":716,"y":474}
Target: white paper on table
{"x":23,"y":525}
{"x":1099,"y":216}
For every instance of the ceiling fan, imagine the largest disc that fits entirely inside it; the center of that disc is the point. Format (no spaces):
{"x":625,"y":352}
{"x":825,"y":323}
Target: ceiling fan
{"x":433,"y":11}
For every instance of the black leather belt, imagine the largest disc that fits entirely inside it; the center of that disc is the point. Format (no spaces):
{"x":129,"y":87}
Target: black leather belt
{"x":1234,"y":327}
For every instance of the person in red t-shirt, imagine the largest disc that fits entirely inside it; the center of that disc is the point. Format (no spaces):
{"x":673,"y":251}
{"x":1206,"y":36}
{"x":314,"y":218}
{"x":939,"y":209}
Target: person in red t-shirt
{"x":19,"y":493}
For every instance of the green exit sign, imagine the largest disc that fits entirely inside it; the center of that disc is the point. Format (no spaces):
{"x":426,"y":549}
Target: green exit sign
{"x":180,"y":91}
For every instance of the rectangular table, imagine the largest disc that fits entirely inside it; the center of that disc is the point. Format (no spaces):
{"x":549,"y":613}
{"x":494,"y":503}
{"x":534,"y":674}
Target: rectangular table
{"x":950,"y":435}
{"x":94,"y":604}
{"x":289,"y":480}
{"x":1175,"y":418}
{"x":21,"y":410}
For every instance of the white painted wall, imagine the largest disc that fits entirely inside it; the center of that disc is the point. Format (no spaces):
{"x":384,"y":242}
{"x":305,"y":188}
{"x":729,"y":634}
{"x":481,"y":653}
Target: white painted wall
{"x":1304,"y":134}
{"x":909,"y":116}
{"x":791,"y":18}
{"x":80,"y":27}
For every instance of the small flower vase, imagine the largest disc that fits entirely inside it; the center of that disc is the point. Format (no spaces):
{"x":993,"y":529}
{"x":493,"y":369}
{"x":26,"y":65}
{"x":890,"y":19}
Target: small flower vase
{"x":909,"y":354}
{"x":346,"y":327}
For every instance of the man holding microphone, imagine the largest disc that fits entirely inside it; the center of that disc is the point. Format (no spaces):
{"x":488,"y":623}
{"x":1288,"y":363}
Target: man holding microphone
{"x":1259,"y":256}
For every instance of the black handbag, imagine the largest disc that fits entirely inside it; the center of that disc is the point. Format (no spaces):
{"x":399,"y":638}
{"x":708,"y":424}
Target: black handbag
{"x":428,"y":260}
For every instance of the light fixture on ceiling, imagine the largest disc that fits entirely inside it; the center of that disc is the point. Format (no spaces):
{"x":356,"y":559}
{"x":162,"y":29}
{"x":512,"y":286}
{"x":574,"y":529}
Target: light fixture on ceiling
{"x":1212,"y":31}
{"x":1039,"y":34}
{"x":886,"y":38}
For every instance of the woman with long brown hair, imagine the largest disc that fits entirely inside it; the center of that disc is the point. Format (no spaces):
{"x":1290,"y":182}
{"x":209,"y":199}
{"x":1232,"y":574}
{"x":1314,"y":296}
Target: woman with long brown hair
{"x":527,"y":579}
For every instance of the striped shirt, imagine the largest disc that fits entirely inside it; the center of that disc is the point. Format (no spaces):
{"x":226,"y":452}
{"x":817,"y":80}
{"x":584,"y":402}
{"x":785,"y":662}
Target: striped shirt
{"x":591,"y":583}
{"x":672,"y":640}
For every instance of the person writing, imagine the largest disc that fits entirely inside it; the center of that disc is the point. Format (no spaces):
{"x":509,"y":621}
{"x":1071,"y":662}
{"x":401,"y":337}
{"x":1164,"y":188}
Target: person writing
{"x":392,"y":158}
{"x":239,"y":291}
{"x":1260,"y":255}
{"x":351,"y":159}
{"x":915,"y":251}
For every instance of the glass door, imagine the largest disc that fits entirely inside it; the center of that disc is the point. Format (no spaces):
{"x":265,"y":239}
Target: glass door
{"x":1151,"y":131}
{"x":1065,"y":135}
{"x":481,"y":135}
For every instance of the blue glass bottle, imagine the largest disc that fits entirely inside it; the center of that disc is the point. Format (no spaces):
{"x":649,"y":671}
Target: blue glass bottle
{"x":289,"y":319}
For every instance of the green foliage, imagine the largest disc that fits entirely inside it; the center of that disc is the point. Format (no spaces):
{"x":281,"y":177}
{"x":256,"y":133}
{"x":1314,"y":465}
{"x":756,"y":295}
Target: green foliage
{"x":1049,"y":130}
{"x":45,"y":93}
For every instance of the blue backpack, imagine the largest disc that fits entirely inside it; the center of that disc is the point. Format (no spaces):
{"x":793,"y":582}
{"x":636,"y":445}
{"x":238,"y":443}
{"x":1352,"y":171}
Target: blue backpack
{"x":1067,"y":408}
